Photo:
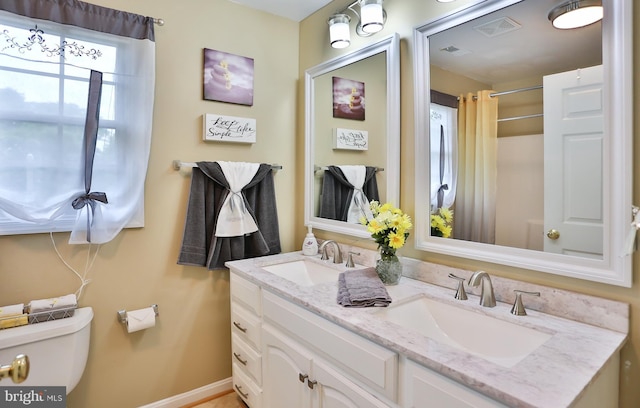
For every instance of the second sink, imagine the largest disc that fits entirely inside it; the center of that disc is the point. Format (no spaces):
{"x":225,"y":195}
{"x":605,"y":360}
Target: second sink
{"x":305,"y":272}
{"x":492,"y":339}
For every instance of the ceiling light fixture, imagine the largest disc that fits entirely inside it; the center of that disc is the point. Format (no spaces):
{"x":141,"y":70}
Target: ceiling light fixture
{"x":576,"y":13}
{"x":371,"y":19}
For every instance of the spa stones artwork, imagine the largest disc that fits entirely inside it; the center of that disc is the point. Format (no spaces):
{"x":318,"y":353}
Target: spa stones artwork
{"x":228,"y":77}
{"x":348,"y":99}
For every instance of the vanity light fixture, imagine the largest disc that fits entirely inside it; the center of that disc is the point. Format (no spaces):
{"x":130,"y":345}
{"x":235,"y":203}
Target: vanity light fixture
{"x":371,"y":19}
{"x":576,"y":14}
{"x":339,"y":30}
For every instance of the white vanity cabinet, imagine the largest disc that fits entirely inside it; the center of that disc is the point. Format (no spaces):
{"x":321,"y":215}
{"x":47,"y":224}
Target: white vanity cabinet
{"x":246,"y":340}
{"x":425,"y":388}
{"x":309,"y":362}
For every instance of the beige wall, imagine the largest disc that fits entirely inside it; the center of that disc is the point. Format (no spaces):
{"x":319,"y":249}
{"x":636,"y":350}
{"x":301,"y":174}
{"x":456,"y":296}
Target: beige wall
{"x":403,"y":16}
{"x":190,"y":347}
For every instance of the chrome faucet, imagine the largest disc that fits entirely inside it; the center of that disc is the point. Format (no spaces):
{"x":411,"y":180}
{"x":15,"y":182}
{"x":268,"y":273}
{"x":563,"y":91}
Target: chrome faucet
{"x":487,"y":298}
{"x":337,"y":256}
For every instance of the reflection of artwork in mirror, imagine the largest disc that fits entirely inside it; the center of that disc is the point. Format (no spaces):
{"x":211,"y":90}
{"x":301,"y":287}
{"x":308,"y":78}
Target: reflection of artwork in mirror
{"x":508,"y":164}
{"x":350,"y":139}
{"x":348,"y":99}
{"x":228,"y":77}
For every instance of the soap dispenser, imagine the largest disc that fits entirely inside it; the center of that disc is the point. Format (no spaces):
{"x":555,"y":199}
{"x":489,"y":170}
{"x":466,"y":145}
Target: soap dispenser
{"x":310,"y":244}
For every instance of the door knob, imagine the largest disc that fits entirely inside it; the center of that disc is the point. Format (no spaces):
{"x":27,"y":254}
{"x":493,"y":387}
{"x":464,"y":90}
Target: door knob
{"x":553,"y":234}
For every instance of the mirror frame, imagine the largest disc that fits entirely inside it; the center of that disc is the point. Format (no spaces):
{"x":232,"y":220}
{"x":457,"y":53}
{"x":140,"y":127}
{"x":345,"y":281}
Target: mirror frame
{"x":390,"y":45}
{"x":615,"y":267}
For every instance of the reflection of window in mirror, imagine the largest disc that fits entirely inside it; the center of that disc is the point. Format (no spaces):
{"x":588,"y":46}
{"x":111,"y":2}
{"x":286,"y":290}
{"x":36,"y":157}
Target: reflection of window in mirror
{"x":444,"y":150}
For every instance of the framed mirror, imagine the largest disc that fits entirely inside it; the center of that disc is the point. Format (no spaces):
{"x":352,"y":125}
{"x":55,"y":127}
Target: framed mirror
{"x":524,"y":133}
{"x":352,"y":123}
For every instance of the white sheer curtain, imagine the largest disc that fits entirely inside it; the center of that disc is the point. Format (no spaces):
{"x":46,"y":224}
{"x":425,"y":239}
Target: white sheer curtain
{"x":444,"y":155}
{"x":44,"y":80}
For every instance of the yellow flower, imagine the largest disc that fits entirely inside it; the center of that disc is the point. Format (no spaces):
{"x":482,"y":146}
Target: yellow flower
{"x":447,"y":214}
{"x":386,"y":207}
{"x":389,"y":226}
{"x":396,"y":240}
{"x":375,"y":226}
{"x":441,"y":222}
{"x":405,"y":222}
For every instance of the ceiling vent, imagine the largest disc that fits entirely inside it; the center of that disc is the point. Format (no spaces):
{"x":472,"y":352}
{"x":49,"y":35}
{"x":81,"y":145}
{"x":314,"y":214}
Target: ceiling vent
{"x":498,"y":27}
{"x":453,"y":50}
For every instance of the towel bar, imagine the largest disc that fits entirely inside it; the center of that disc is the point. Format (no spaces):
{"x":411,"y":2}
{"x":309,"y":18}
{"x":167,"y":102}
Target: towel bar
{"x":178,"y":164}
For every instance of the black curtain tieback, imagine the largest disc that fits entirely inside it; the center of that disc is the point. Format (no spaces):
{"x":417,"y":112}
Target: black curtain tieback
{"x":90,"y":199}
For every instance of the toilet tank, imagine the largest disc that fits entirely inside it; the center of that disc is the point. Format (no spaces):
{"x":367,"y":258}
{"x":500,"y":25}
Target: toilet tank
{"x":57,"y":350}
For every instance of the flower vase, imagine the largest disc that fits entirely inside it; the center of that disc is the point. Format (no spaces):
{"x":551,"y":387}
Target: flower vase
{"x":389,"y":267}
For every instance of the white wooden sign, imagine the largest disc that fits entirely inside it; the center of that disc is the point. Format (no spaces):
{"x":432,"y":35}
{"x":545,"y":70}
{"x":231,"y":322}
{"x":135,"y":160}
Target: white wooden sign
{"x":350,"y":139}
{"x":220,"y":128}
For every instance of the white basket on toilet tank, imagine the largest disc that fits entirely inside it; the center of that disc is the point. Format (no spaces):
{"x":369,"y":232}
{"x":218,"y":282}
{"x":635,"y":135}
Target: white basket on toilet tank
{"x":57,"y":349}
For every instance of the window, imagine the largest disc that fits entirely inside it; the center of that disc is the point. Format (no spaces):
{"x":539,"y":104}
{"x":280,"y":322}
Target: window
{"x":44,"y":81}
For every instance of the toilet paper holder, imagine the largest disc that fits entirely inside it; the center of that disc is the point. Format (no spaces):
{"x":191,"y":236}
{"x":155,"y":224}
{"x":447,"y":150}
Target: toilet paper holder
{"x":122,"y":314}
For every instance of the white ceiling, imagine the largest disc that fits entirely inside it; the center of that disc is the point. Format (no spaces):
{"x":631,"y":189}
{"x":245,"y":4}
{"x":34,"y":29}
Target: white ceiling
{"x":296,"y":10}
{"x":535,"y":49}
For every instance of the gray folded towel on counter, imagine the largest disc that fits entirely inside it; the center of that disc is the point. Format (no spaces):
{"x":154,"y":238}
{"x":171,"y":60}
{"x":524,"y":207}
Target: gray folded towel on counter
{"x":362,"y":288}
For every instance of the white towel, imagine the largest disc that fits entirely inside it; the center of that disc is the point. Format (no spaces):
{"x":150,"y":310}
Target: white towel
{"x":234,"y":219}
{"x":359,"y":205}
{"x":44,"y":305}
{"x":11,"y":310}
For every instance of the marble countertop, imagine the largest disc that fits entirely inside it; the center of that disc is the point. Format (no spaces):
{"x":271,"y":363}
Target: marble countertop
{"x":554,"y":375}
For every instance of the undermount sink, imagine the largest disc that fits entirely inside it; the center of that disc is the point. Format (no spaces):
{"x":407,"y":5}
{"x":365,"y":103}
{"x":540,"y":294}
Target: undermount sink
{"x":492,"y":339}
{"x":304,"y":272}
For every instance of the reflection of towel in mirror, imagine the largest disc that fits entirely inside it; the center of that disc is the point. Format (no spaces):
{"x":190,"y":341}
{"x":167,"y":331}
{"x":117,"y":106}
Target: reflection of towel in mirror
{"x":209,"y":188}
{"x":337,"y":192}
{"x":234,"y":219}
{"x":359,"y":204}
{"x":362,"y":288}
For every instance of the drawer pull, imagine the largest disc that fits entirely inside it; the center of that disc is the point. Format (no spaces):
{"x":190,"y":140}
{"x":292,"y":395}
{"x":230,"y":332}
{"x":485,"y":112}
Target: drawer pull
{"x":311,"y":384}
{"x":239,"y":326}
{"x":242,"y":394}
{"x":237,"y":356}
{"x":302,"y":377}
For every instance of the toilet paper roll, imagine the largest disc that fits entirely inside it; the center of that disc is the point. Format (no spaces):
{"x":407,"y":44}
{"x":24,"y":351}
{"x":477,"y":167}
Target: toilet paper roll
{"x":140,"y":319}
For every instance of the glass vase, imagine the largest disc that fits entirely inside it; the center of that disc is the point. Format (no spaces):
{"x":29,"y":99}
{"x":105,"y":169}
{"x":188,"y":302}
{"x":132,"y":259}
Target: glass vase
{"x":389,"y":267}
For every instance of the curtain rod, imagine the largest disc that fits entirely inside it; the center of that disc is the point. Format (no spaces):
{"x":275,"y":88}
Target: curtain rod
{"x":531,"y":88}
{"x":512,"y":91}
{"x":537,"y":115}
{"x":178,"y":164}
{"x":158,"y":21}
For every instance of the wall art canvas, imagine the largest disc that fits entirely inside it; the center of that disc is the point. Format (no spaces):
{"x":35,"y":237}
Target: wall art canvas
{"x":222,"y":128}
{"x":348,"y":99}
{"x":350,"y":139}
{"x":228,"y":77}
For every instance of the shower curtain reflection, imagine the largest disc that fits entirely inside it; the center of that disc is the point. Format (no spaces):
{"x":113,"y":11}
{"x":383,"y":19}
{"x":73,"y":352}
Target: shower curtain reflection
{"x":477,"y":171}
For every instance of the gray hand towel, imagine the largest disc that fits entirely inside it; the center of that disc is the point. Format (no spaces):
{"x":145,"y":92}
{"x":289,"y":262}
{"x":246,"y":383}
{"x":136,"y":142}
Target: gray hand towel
{"x":362,"y":288}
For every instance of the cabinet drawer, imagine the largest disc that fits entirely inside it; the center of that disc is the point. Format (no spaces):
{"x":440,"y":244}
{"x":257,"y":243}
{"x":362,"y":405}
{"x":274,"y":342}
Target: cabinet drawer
{"x":250,"y":393}
{"x":246,"y":293}
{"x":245,"y":325}
{"x":372,"y":365}
{"x":247,"y":358}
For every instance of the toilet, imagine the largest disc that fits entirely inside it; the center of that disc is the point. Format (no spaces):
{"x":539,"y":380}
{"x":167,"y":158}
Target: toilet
{"x":57,"y":350}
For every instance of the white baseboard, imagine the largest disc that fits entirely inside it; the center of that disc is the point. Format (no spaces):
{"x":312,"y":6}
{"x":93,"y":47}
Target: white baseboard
{"x":192,"y":396}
